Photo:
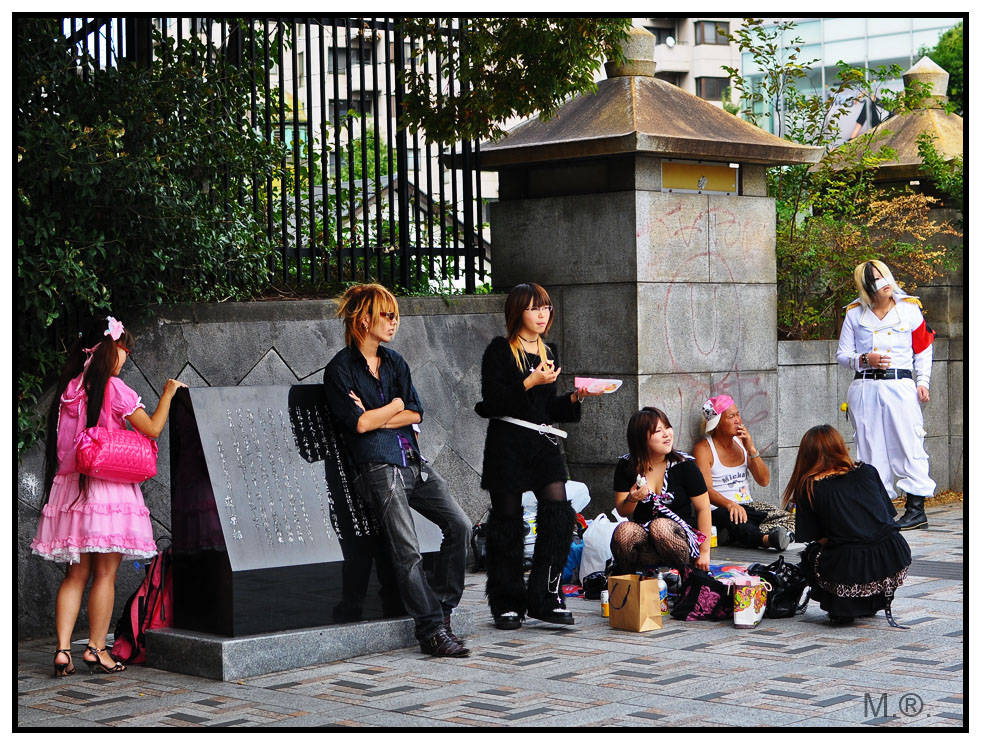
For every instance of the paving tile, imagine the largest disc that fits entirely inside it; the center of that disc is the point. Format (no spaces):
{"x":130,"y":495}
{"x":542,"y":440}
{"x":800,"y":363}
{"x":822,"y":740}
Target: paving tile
{"x":699,"y":674}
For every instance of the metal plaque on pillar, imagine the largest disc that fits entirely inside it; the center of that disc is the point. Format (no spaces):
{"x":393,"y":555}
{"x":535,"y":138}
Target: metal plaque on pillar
{"x":268,"y":531}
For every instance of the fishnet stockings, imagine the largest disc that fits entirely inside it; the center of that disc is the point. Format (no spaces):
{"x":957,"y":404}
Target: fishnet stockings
{"x":664,"y":542}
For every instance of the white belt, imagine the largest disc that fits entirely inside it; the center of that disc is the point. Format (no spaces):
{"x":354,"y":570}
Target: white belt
{"x":541,"y":429}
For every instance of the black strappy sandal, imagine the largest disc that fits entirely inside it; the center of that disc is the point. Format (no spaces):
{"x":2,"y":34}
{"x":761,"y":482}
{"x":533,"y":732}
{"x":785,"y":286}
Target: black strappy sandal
{"x":117,"y":667}
{"x":889,"y":618}
{"x":66,"y":668}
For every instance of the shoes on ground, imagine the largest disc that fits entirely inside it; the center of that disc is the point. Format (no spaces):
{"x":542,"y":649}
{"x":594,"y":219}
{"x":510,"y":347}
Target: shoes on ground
{"x":507,"y":621}
{"x":449,"y":630}
{"x":780,"y":538}
{"x":441,"y":645}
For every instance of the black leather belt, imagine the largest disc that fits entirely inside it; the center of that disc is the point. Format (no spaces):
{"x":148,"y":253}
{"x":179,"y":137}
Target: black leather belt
{"x":884,"y":374}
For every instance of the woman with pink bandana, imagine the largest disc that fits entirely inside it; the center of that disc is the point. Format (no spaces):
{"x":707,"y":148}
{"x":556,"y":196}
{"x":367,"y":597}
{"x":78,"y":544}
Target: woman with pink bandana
{"x":726,"y":457}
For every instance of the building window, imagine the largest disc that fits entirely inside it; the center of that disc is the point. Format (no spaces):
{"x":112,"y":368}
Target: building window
{"x":364,"y":104}
{"x":301,"y":68}
{"x":662,"y":34}
{"x":711,"y":32}
{"x":349,"y":57}
{"x":711,"y":88}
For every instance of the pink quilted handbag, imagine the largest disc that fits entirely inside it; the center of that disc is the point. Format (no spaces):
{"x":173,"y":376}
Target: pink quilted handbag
{"x":115,"y":454}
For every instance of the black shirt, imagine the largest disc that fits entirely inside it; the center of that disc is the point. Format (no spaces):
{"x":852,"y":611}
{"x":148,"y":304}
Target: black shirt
{"x":502,"y":385}
{"x":347,"y":372}
{"x":684,"y":482}
{"x":853,"y":507}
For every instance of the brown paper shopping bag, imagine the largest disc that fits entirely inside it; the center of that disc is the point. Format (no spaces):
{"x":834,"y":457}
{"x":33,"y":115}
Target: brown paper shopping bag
{"x":635,"y":603}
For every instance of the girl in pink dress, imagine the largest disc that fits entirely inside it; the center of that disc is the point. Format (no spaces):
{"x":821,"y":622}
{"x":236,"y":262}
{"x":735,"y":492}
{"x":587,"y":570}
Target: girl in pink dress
{"x":89,"y":523}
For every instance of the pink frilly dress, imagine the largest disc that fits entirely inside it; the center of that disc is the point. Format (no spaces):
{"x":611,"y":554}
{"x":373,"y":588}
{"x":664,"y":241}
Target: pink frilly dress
{"x":110,"y":517}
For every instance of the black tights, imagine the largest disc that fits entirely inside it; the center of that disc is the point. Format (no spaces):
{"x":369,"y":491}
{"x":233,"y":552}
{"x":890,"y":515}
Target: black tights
{"x":508,"y":504}
{"x":635,"y":549}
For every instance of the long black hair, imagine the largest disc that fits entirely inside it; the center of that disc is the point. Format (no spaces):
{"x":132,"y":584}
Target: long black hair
{"x":100,"y":369}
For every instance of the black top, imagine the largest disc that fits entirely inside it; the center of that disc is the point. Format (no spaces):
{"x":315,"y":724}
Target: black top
{"x":684,"y":481}
{"x":502,"y":386}
{"x":851,"y":508}
{"x":348,"y":371}
{"x":517,"y":459}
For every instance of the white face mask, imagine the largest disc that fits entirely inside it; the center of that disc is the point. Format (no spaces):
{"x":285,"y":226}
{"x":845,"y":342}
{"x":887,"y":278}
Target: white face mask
{"x":880,"y":283}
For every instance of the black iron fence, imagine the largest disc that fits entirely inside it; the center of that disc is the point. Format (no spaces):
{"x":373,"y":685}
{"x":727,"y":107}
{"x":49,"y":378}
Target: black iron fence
{"x":365,"y":197}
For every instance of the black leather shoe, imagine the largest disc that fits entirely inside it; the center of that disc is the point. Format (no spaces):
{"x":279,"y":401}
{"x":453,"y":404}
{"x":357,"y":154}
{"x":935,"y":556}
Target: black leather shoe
{"x":557,"y":615}
{"x":915,"y":517}
{"x":779,"y":538}
{"x":449,"y":631}
{"x":507,"y":621}
{"x":440,"y":645}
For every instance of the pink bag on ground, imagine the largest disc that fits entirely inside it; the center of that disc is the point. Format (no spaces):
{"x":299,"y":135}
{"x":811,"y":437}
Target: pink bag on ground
{"x":119,"y":455}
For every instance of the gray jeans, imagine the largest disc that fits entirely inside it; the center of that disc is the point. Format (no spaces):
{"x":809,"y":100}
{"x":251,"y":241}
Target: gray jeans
{"x":391,"y":491}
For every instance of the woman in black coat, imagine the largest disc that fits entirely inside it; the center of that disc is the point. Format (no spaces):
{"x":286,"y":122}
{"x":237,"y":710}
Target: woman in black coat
{"x":859,"y":559}
{"x":522,"y":453}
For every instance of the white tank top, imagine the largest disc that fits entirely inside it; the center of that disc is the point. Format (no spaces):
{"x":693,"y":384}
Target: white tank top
{"x":731,"y":482}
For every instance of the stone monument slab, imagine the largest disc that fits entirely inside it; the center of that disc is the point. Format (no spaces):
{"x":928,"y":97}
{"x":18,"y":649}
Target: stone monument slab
{"x":269,"y":533}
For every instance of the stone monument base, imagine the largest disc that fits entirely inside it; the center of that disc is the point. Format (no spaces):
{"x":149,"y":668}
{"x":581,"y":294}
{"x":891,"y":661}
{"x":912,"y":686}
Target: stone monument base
{"x":233,"y":658}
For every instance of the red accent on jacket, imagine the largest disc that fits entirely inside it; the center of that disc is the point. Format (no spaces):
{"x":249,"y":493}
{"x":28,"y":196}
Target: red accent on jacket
{"x":923,"y":337}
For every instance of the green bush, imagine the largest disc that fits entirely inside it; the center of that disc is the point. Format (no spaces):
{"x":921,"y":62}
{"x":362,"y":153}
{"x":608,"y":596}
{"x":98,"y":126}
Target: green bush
{"x":135,"y":187}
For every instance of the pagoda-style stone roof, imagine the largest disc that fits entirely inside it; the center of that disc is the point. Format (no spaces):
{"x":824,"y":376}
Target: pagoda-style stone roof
{"x":902,"y":130}
{"x":634,"y":112}
{"x":946,"y":129}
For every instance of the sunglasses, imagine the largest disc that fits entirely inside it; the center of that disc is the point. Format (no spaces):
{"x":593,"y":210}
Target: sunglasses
{"x":390,"y":315}
{"x":124,"y":349}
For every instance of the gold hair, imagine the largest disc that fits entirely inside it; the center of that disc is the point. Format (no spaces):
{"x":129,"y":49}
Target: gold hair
{"x":361,"y":306}
{"x":521,"y":359}
{"x":859,"y":274}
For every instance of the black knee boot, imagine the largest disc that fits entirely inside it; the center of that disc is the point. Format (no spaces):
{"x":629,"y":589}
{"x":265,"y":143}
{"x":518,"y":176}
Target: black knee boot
{"x":915,"y":516}
{"x":546,"y":602}
{"x":506,"y":570}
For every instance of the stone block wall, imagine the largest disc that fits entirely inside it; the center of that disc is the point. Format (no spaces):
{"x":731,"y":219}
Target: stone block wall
{"x":280,"y":343}
{"x":674,"y":293}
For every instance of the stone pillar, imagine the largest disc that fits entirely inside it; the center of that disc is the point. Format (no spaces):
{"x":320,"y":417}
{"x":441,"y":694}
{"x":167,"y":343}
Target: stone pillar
{"x":671,"y":289}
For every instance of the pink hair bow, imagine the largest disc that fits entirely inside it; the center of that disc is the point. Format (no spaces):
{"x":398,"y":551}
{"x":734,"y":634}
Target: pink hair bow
{"x":115,"y":329}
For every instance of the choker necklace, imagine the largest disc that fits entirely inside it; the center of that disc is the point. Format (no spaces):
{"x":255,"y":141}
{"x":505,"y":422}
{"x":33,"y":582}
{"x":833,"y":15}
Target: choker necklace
{"x":527,"y":341}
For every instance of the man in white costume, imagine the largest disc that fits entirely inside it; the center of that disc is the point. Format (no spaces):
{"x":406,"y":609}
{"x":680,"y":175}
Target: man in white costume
{"x":886,"y":341}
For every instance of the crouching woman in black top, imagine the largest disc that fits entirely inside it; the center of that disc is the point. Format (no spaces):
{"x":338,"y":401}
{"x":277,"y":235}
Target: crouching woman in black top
{"x":859,"y":559}
{"x":663,"y":492}
{"x":522,"y":453}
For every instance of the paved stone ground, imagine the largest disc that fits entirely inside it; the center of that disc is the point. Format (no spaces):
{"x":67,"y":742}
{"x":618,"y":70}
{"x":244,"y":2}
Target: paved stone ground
{"x":791,"y":672}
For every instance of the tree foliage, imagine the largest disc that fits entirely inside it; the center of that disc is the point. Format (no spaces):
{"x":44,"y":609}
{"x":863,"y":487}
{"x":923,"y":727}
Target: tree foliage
{"x":134,"y":187}
{"x":947,"y":175}
{"x":502,"y":67}
{"x":949,"y":54}
{"x":832,"y":216}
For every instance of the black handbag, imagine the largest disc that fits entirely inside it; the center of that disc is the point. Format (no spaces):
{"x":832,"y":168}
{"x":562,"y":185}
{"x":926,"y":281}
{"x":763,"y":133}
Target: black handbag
{"x":790,"y":591}
{"x":703,"y":597}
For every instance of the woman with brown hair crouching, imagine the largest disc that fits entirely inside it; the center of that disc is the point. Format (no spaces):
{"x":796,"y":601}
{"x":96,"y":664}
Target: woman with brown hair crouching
{"x":859,"y":559}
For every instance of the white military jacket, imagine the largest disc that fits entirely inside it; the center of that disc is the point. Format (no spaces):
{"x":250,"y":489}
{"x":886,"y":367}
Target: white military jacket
{"x":902,"y":329}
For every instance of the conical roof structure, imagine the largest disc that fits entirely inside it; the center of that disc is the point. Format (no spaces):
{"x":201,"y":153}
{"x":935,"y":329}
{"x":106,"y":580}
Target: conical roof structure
{"x":903,"y":129}
{"x":632,"y":112}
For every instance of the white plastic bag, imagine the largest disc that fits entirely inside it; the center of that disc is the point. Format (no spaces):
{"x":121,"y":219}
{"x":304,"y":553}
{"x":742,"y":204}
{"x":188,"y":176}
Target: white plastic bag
{"x":575,"y":491}
{"x":596,"y":544}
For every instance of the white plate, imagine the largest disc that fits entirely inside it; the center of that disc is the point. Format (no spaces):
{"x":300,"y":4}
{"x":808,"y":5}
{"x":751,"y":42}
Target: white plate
{"x":599,"y":385}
